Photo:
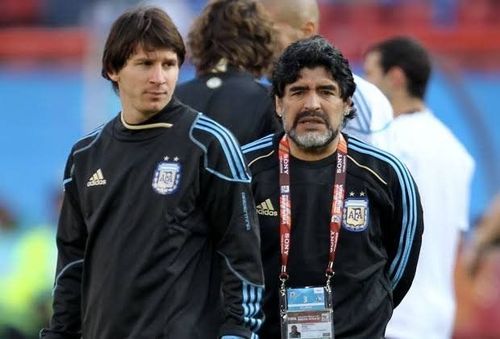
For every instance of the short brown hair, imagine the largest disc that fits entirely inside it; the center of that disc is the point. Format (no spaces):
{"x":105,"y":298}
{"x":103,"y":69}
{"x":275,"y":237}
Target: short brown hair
{"x":149,"y":27}
{"x":238,"y":31}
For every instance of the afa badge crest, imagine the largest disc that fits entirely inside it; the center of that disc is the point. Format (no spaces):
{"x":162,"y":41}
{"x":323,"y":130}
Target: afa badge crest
{"x":166,"y":177}
{"x":355,"y":214}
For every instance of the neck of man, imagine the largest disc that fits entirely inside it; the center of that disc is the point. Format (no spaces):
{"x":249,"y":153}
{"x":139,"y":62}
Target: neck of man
{"x":313,"y":154}
{"x":405,"y":104}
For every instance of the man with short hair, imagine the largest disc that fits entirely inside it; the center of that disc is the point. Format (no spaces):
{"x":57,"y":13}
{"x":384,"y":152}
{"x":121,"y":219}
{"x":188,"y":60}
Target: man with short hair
{"x":401,"y":68}
{"x":298,"y":19}
{"x":340,"y":221}
{"x":294,"y":333}
{"x":158,"y":235}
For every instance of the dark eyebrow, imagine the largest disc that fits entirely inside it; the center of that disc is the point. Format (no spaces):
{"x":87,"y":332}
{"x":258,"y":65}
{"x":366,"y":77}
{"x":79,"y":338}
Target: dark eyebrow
{"x":330,"y":87}
{"x":298,"y":88}
{"x":142,"y":59}
{"x":172,"y":59}
{"x":147,"y":58}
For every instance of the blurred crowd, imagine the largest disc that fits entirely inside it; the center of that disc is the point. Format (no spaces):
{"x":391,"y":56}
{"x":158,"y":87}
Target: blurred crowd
{"x":60,"y":13}
{"x":27,"y":265}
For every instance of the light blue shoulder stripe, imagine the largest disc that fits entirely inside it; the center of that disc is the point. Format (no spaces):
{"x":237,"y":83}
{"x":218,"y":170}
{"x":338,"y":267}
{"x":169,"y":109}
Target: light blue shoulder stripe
{"x":96,"y":131}
{"x":96,"y":134}
{"x":257,"y":147}
{"x":229,"y":146}
{"x":259,"y":143}
{"x":409,"y":221}
{"x":228,"y":138}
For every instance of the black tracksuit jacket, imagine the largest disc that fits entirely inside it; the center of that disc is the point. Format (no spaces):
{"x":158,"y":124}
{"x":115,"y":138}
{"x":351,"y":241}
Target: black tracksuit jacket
{"x":235,"y":100}
{"x":158,"y":236}
{"x":378,"y":244}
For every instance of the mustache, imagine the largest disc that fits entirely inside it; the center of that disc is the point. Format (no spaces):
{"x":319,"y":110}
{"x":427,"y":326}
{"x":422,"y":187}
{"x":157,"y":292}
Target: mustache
{"x":314,"y":114}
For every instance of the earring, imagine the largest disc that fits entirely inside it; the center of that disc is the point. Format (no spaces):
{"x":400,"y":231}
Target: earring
{"x":347,"y":111}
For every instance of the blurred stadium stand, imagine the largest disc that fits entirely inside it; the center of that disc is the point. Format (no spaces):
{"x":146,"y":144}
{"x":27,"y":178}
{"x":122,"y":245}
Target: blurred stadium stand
{"x":467,"y":31}
{"x":15,"y":13}
{"x":50,"y":81}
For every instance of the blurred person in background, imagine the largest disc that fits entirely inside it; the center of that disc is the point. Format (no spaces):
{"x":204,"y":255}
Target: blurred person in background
{"x":443,"y":170}
{"x":486,"y":237}
{"x":158,"y":233}
{"x":27,"y":264}
{"x":297,"y":19}
{"x":365,"y":253}
{"x":231,"y":45}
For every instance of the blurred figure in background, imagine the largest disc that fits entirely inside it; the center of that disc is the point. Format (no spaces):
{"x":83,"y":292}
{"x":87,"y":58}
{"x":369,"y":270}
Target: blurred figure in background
{"x":27,"y":265}
{"x":486,"y":237}
{"x":297,"y":19}
{"x":231,"y":45}
{"x":443,"y":170}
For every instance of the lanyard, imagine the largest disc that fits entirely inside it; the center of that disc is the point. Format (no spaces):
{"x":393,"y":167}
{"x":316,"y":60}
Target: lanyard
{"x":286,"y":204}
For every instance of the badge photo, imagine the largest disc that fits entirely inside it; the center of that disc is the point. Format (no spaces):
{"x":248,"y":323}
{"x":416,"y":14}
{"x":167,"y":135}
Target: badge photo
{"x":307,"y":313}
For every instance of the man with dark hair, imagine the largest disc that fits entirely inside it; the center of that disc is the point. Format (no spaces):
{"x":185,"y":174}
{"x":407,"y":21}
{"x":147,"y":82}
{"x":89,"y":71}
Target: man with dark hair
{"x":158,"y":235}
{"x":231,"y":45}
{"x":355,"y":210}
{"x":299,"y":19}
{"x":406,"y":58}
{"x":401,"y":68}
{"x":294,"y":333}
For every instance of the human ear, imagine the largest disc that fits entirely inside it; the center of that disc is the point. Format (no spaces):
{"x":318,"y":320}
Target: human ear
{"x":309,"y":29}
{"x":113,"y":76}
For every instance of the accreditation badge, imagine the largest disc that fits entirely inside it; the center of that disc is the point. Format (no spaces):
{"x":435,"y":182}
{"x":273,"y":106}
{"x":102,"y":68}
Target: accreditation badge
{"x":306,"y":313}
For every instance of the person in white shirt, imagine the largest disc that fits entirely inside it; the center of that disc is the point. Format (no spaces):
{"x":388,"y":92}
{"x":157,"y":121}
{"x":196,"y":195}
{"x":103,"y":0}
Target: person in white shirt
{"x":442,"y":169}
{"x":299,"y":19}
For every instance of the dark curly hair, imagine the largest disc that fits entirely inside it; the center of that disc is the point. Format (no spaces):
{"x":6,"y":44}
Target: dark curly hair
{"x":310,"y":53}
{"x":149,"y":27}
{"x":238,"y":31}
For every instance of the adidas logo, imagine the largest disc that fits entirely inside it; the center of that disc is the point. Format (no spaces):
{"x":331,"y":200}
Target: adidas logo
{"x":97,"y":179}
{"x":266,"y":208}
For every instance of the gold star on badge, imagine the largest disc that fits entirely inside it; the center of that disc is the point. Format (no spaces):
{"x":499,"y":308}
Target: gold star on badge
{"x":166,"y":158}
{"x":362,"y":194}
{"x":351,"y":194}
{"x":176,"y":159}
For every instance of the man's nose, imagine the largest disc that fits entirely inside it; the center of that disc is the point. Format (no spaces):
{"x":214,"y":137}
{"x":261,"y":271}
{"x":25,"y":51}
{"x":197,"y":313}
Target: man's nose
{"x":312,"y":102}
{"x":158,"y":74}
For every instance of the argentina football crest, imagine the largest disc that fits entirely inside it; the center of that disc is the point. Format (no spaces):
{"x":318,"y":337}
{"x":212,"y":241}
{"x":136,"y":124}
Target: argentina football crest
{"x":167,"y":176}
{"x":355,"y":218}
